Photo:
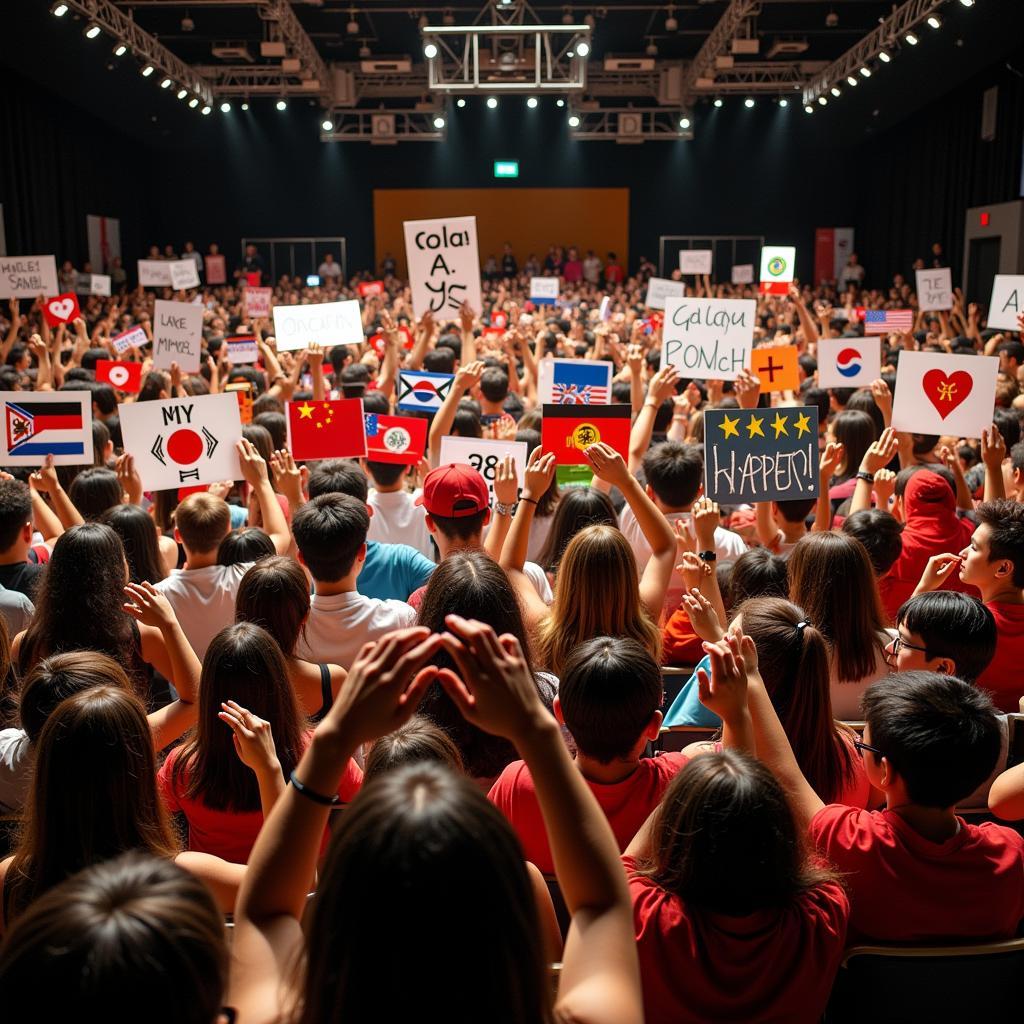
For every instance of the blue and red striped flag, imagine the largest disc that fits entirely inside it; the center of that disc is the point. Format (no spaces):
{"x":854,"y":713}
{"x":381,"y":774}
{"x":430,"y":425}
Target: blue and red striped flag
{"x":888,"y":321}
{"x":38,"y":428}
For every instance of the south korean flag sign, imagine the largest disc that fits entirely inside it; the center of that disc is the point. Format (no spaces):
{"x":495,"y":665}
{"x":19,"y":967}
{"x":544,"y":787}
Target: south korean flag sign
{"x":183,"y":441}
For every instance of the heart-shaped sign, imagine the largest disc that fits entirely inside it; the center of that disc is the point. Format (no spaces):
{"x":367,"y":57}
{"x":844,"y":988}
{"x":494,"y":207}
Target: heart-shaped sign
{"x":946,"y":392}
{"x":61,"y":310}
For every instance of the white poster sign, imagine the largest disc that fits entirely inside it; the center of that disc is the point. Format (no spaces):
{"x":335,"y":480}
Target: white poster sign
{"x":326,"y":323}
{"x":242,"y":350}
{"x":849,"y":362}
{"x":99,"y":284}
{"x":935,"y":289}
{"x":257,"y":303}
{"x":27,"y":277}
{"x":743,"y":273}
{"x":184,"y":274}
{"x":177,"y":335}
{"x":444,"y":264}
{"x":544,"y":290}
{"x":778,"y":264}
{"x":1007,"y":301}
{"x":710,"y":339}
{"x":183,"y":442}
{"x":661,"y":288}
{"x":942,"y":394}
{"x":134,"y":338}
{"x":484,"y":456}
{"x":695,"y":261}
{"x":154,"y":273}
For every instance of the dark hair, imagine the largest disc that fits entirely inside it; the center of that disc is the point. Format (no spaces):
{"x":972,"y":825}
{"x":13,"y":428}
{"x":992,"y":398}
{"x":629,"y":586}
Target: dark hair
{"x":879,"y":531}
{"x":717,"y":811}
{"x":136,"y":931}
{"x":260,"y":438}
{"x":135,"y":526}
{"x":1005,"y":520}
{"x":939,"y":733}
{"x":609,"y":690}
{"x":440,"y":360}
{"x":273,"y":420}
{"x":955,"y":626}
{"x":674,"y":472}
{"x":1013,"y":350}
{"x":864,"y":401}
{"x":153,"y":384}
{"x":243,"y":663}
{"x":466,"y":422}
{"x":15,"y":511}
{"x":757,"y":573}
{"x":248,"y":544}
{"x":460,"y":527}
{"x":386,"y":474}
{"x":494,"y":384}
{"x":274,"y":594}
{"x":338,"y":476}
{"x":329,"y":531}
{"x":821,"y":398}
{"x":578,"y":508}
{"x":1008,"y":423}
{"x":417,"y":741}
{"x":856,"y":432}
{"x":796,"y":510}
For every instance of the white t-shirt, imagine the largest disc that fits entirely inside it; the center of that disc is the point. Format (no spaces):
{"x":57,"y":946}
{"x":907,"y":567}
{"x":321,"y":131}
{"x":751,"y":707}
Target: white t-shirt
{"x":204,"y":600}
{"x":16,"y":758}
{"x":331,"y":270}
{"x":540,"y":529}
{"x":397,"y":519}
{"x":339,"y":625}
{"x":846,"y":695}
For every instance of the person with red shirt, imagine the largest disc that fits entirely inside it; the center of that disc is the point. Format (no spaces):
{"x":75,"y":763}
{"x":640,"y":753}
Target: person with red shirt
{"x":608,"y":699}
{"x":612,"y":270}
{"x":572,"y":271}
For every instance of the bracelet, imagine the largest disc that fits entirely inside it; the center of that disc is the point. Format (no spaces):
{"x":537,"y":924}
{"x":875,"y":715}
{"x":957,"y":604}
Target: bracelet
{"x":309,"y":794}
{"x":532,"y":501}
{"x":866,"y":477}
{"x":503,"y":510}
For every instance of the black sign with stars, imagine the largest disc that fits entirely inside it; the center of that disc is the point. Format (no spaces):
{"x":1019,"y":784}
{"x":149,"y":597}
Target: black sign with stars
{"x":761,"y":454}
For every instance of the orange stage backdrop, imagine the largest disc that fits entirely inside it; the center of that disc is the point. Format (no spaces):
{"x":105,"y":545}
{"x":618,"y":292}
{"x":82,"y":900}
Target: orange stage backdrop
{"x":530,"y":218}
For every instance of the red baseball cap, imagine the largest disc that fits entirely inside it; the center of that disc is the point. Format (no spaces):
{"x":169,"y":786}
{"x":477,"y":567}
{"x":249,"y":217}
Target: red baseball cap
{"x":454,"y":491}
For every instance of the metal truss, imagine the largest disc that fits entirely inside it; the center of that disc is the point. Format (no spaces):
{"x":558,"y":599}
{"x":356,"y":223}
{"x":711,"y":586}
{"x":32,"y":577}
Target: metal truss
{"x":646,"y":124}
{"x":703,"y":65}
{"x":383,"y":127}
{"x":762,"y":77}
{"x":280,"y":14}
{"x":260,"y":80}
{"x":886,"y":35}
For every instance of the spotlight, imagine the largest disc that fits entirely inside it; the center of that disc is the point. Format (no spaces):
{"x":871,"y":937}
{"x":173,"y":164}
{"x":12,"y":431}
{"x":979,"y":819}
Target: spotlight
{"x":166,"y":84}
{"x":835,"y":91}
{"x":327,"y":125}
{"x":783,"y":103}
{"x":352,"y":28}
{"x":148,"y":70}
{"x":718,"y":101}
{"x":460,"y":102}
{"x":206,"y":110}
{"x":865,"y":72}
{"x":532,"y":102}
{"x":182,"y":93}
{"x":92,"y":30}
{"x":282,"y":104}
{"x":574,"y":121}
{"x":935,"y":22}
{"x":651,"y":49}
{"x":671,"y":22}
{"x":245,"y":106}
{"x":120,"y":50}
{"x":225,"y":107}
{"x":748,"y":102}
{"x":59,"y":10}
{"x":967,"y":3}
{"x":583,"y":49}
{"x":492,"y":102}
{"x":823,"y":100}
{"x":808,"y":109}
{"x":884,"y":57}
{"x":569,"y":53}
{"x":684,"y":123}
{"x":911,"y":38}
{"x":430,"y":51}
{"x":852,"y":81}
{"x":559,"y":103}
{"x":438,"y":122}
{"x":193,"y":103}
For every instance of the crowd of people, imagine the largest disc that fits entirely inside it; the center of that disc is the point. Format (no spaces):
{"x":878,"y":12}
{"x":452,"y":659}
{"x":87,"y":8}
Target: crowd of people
{"x":408,"y":735}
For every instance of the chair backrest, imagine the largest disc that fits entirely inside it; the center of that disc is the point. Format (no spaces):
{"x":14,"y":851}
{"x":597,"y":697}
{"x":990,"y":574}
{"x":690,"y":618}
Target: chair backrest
{"x":673,"y":678}
{"x":925,"y":983}
{"x":677,"y":737}
{"x":978,"y":800}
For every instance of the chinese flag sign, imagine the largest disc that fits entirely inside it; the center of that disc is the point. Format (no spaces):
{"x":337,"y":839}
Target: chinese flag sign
{"x":326,"y":430}
{"x":567,"y":430}
{"x":401,"y":439}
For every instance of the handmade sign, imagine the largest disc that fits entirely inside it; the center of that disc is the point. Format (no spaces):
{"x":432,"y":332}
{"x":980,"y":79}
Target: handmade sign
{"x":743,"y":273}
{"x":423,"y":392}
{"x":242,"y":350}
{"x":777,"y":265}
{"x":61,"y":310}
{"x":567,"y":430}
{"x":401,"y":439}
{"x":605,"y":312}
{"x":544,"y":290}
{"x":444,"y":264}
{"x":574,"y":382}
{"x":134,"y":337}
{"x":41,"y":423}
{"x":484,"y":456}
{"x":179,"y":441}
{"x":327,"y":323}
{"x":177,"y":335}
{"x":99,"y":284}
{"x":695,"y":261}
{"x":761,"y":454}
{"x":776,"y":367}
{"x":25,"y":277}
{"x":257,"y":303}
{"x":326,"y":430}
{"x":216,"y":270}
{"x":660,"y":289}
{"x":708,"y":338}
{"x":942,"y":394}
{"x":1007,"y":301}
{"x":935,"y":289}
{"x":499,"y":319}
{"x":184,"y":274}
{"x":121,"y":375}
{"x":365,"y":288}
{"x":849,"y":362}
{"x":154,"y":273}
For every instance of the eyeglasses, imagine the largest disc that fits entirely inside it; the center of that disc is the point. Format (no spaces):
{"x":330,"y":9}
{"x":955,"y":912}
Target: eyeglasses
{"x":862,"y":746}
{"x":898,"y":642}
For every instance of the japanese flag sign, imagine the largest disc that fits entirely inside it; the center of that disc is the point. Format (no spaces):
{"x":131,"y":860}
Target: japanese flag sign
{"x":942,"y":394}
{"x":444,"y":265}
{"x":183,"y":441}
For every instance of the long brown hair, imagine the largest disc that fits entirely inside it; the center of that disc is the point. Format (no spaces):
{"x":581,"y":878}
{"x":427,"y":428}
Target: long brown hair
{"x":243,"y":663}
{"x":793,"y":660}
{"x":831,"y":578}
{"x":93,"y":795}
{"x":596,"y":595}
{"x":274,"y":594}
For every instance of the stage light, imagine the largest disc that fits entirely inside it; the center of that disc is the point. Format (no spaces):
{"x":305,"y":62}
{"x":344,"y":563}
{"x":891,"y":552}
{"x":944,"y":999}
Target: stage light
{"x":327,"y":125}
{"x":92,"y":30}
{"x":193,"y":103}
{"x":532,"y":102}
{"x":438,"y":122}
{"x":783,"y":103}
{"x":206,"y":110}
{"x":430,"y":51}
{"x":684,"y":123}
{"x":852,"y":81}
{"x":884,"y":57}
{"x":365,"y":53}
{"x":671,"y":22}
{"x":935,"y":22}
{"x":823,"y":100}
{"x":282,"y":104}
{"x":559,"y":103}
{"x":967,"y":3}
{"x":808,"y":109}
{"x":182,"y":93}
{"x":748,"y":102}
{"x":718,"y":101}
{"x":574,"y":121}
{"x":865,"y":72}
{"x":835,"y":91}
{"x":148,"y":70}
{"x":245,"y":106}
{"x":583,"y":49}
{"x":492,"y":102}
{"x":166,"y":84}
{"x":352,"y":27}
{"x":225,"y":107}
{"x":59,"y":10}
{"x":911,"y":38}
{"x":460,"y":103}
{"x":120,"y":50}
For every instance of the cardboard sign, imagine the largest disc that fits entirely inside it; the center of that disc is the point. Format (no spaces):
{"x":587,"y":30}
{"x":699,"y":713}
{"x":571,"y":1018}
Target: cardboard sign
{"x":778,"y":263}
{"x":179,"y":441}
{"x":121,"y":375}
{"x":605,"y":312}
{"x":242,"y":350}
{"x":184,"y":274}
{"x":25,"y":277}
{"x":135,"y":337}
{"x":332,"y":429}
{"x":776,"y":367}
{"x":154,"y":273}
{"x":41,"y":423}
{"x":444,"y":264}
{"x":257,"y":303}
{"x":710,"y":339}
{"x":99,"y":284}
{"x":61,"y":310}
{"x":1007,"y":302}
{"x":423,"y":392}
{"x":568,"y":430}
{"x":761,"y":454}
{"x":177,"y":336}
{"x":935,"y":289}
{"x":243,"y":393}
{"x":216,"y":270}
{"x":695,"y":261}
{"x":544,"y":290}
{"x":395,"y":439}
{"x":942,"y":394}
{"x":365,"y":288}
{"x":484,"y":456}
{"x":743,"y":273}
{"x":659,"y":289}
{"x":574,"y":382}
{"x":849,"y":362}
{"x":327,"y":323}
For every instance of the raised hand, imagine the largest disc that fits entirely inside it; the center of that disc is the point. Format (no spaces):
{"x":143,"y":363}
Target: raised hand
{"x":702,"y":615}
{"x":253,"y":466}
{"x":724,"y":691}
{"x":540,"y":471}
{"x":706,"y":519}
{"x":607,"y":464}
{"x":254,"y":740}
{"x":881,"y":452}
{"x":506,"y":482}
{"x":147,"y":605}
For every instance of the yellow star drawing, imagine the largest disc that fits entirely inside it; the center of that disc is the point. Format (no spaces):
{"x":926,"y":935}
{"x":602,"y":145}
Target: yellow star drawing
{"x":779,"y":425}
{"x":729,"y":426}
{"x":803,"y":424}
{"x":754,"y":426}
{"x":305,"y":411}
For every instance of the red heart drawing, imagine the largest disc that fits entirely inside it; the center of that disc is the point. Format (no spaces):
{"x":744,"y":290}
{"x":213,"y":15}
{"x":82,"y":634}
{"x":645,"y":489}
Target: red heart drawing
{"x":947,"y":392}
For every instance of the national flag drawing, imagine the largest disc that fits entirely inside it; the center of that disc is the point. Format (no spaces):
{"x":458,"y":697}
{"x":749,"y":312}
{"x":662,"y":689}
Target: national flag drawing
{"x":423,"y":392}
{"x":888,"y":321}
{"x":326,"y":430}
{"x":35,"y":428}
{"x":575,"y":382}
{"x":125,"y":376}
{"x":567,"y":430}
{"x":401,"y":439}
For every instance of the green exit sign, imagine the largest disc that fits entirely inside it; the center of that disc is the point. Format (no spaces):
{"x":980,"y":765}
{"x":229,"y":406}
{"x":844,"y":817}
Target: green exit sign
{"x":506,"y":168}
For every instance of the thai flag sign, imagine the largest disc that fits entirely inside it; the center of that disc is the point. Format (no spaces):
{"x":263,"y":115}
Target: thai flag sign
{"x":37,"y":424}
{"x":575,"y":382}
{"x":423,"y":392}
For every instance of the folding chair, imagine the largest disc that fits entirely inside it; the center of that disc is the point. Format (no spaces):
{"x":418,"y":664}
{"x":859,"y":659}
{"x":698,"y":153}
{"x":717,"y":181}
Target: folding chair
{"x":676,"y":737}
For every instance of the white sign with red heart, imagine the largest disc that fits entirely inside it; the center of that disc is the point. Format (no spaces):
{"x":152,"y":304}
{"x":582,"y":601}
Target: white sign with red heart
{"x":61,"y":310}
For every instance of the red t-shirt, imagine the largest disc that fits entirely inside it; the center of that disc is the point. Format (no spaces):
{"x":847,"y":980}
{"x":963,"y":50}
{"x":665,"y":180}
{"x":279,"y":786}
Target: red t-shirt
{"x":626,"y":804}
{"x":612,"y":273}
{"x":572,"y":271}
{"x":1004,"y":677}
{"x":680,"y":644}
{"x":228,"y":834}
{"x":905,"y":888}
{"x":772,"y":965}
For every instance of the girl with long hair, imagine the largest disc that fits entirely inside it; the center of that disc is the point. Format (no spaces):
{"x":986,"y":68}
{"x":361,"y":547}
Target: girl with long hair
{"x":579,"y":508}
{"x":856,"y":432}
{"x":138,"y":533}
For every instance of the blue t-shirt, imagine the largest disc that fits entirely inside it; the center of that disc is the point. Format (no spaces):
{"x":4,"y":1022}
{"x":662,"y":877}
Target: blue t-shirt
{"x":687,"y":709}
{"x":393,"y":571}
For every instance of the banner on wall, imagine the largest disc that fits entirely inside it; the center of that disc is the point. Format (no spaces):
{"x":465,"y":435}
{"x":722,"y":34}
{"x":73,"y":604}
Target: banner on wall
{"x":104,"y":236}
{"x":832,"y":248}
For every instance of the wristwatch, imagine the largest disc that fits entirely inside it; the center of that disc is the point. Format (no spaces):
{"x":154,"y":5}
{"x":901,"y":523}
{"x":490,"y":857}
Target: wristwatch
{"x":707,"y":556}
{"x":867,"y":477}
{"x":503,"y":510}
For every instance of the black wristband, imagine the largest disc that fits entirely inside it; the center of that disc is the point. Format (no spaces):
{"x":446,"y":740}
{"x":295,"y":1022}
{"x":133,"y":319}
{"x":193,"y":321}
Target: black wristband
{"x":707,"y":556}
{"x":309,"y":794}
{"x":532,"y":501}
{"x":867,"y":477}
